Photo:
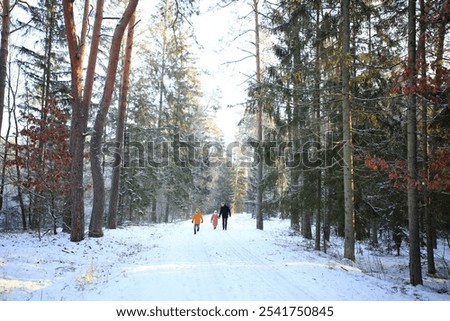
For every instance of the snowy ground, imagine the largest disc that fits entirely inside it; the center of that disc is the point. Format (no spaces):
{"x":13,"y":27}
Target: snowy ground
{"x":168,"y":262}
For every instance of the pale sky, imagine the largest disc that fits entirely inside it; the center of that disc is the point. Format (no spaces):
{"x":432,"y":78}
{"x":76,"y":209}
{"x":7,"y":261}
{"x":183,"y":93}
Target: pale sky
{"x":224,"y":39}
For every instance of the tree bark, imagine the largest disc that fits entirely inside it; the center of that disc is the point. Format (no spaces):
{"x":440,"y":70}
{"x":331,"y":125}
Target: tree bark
{"x":92,"y":62}
{"x":96,"y":223}
{"x":80,"y":110}
{"x":4,"y":51}
{"x":76,"y":54}
{"x":423,"y":25}
{"x":115,"y":180}
{"x":316,"y":102}
{"x":298,"y":213}
{"x":349,"y":239}
{"x":415,"y":269}
{"x":259,"y":175}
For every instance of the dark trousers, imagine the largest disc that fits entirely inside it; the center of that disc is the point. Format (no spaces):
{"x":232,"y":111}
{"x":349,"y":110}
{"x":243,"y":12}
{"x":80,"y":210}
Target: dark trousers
{"x":196,"y":228}
{"x":224,"y":222}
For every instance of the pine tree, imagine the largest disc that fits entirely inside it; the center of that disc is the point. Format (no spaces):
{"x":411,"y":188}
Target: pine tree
{"x":115,"y":180}
{"x":96,"y":223}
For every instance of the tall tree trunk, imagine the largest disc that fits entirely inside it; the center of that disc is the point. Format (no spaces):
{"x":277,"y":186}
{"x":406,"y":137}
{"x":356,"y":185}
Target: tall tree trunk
{"x":92,"y":62}
{"x":96,"y":223}
{"x":259,"y":175}
{"x":423,"y":24}
{"x":328,"y":197}
{"x":297,"y":175}
{"x":76,"y":53}
{"x":11,"y":113}
{"x":80,"y":109}
{"x":115,"y":180}
{"x":4,"y":50}
{"x":20,"y":197}
{"x":349,"y":243}
{"x":415,"y":269}
{"x":162,"y":70}
{"x":4,"y":164}
{"x":316,"y":102}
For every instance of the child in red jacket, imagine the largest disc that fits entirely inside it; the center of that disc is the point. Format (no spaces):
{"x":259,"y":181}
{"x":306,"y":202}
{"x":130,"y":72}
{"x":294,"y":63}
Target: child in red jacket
{"x":215,"y":219}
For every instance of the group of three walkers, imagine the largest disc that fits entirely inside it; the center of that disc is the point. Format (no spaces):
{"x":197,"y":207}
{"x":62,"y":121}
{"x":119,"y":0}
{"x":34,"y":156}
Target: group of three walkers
{"x":197,"y":218}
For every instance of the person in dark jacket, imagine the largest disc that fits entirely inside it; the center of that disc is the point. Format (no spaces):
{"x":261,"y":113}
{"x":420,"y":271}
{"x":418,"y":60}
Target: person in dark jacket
{"x":224,"y":213}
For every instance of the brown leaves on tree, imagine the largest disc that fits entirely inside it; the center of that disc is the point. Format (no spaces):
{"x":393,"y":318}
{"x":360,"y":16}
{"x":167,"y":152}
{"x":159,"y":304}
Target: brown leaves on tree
{"x":436,"y":176}
{"x":44,"y":152}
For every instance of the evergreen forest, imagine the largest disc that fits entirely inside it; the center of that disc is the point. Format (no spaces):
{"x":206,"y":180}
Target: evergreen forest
{"x":105,"y":120}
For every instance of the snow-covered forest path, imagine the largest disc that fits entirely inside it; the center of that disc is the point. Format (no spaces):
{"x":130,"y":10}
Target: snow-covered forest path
{"x":167,"y":262}
{"x":214,"y":265}
{"x":241,"y":263}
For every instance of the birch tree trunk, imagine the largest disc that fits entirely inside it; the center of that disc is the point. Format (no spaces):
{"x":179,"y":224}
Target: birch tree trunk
{"x":98,"y":209}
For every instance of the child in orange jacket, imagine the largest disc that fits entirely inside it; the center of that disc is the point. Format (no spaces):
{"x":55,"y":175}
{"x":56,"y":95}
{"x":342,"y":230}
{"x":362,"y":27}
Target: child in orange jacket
{"x":197,"y":218}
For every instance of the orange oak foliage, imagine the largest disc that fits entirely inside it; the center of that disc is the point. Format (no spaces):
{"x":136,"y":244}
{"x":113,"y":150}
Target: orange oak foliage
{"x":45,"y":151}
{"x":434,"y":177}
